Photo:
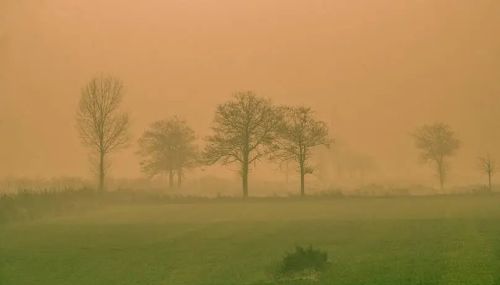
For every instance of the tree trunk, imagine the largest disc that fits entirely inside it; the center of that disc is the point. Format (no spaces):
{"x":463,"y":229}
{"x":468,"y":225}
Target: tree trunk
{"x":302,"y":165}
{"x":302,"y":180}
{"x":244,"y":176}
{"x":441,"y":182}
{"x":171,"y":179}
{"x":179,"y":177}
{"x":287,"y":177}
{"x":489,"y":181}
{"x":101,"y":171}
{"x":441,"y":174}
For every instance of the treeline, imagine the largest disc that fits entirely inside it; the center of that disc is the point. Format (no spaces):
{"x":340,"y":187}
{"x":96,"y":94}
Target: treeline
{"x":246,"y":129}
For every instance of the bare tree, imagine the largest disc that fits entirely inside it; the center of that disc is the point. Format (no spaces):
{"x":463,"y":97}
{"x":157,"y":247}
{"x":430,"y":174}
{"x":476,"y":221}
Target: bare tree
{"x":102,"y":126}
{"x":437,"y":142}
{"x":488,"y":166}
{"x":244,"y":129}
{"x":299,"y":133}
{"x":168,"y":147}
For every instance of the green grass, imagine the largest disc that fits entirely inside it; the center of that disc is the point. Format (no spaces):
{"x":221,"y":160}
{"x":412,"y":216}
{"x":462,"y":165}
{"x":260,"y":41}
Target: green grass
{"x":431,"y":240}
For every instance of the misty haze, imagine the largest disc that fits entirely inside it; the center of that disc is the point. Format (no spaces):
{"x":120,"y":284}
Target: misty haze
{"x":249,"y":142}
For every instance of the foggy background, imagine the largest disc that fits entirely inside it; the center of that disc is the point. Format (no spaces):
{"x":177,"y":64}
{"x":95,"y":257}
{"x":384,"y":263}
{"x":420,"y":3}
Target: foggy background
{"x":373,"y":70}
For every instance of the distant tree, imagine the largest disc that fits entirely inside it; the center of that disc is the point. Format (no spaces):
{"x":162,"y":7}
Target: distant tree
{"x":437,"y":142}
{"x":168,"y":147}
{"x":102,"y":126}
{"x":488,"y":166}
{"x":243,"y":130}
{"x":299,"y":133}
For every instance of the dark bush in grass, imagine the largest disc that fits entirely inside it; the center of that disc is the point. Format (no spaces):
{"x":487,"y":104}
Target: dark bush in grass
{"x":304,"y":259}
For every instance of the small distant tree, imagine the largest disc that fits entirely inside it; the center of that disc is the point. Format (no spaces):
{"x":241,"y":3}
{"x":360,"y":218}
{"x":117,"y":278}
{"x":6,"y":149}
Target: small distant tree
{"x":488,"y":166}
{"x":299,"y":133}
{"x":436,"y":143}
{"x":102,"y":126}
{"x":168,"y":147}
{"x":243,"y":130}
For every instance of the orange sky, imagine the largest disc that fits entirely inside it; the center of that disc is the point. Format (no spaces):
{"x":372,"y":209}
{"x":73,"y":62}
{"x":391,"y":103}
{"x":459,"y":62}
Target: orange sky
{"x":374,"y":70}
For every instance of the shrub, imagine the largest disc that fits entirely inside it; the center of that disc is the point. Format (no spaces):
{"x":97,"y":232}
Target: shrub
{"x":304,"y":259}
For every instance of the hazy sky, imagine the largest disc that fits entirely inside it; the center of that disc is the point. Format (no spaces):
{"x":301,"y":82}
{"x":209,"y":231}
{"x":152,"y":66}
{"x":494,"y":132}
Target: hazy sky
{"x":374,"y":70}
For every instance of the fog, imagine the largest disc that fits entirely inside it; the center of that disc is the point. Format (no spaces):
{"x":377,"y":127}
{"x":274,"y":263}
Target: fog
{"x":373,"y":70}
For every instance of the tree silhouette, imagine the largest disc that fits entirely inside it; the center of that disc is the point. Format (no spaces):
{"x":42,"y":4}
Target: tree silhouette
{"x":243,"y":131}
{"x":102,"y":126}
{"x":168,"y":147}
{"x":488,"y":166}
{"x":436,"y":142}
{"x":298,"y":134}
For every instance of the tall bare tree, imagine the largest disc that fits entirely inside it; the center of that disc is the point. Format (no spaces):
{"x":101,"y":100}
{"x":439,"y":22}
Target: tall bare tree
{"x":299,"y":133}
{"x":102,"y":126}
{"x":168,"y":147}
{"x":244,"y":129}
{"x":436,"y":142}
{"x":488,"y":166}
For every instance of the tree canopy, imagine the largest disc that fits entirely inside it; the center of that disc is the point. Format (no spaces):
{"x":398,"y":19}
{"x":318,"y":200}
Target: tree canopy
{"x":168,"y":146}
{"x":299,"y":133}
{"x":436,"y":142}
{"x":102,"y":126}
{"x":243,"y":131}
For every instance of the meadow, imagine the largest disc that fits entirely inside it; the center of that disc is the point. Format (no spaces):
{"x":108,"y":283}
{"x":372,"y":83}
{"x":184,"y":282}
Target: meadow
{"x":398,"y":240}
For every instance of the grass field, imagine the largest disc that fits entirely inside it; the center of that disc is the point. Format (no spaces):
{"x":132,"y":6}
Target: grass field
{"x":427,"y":240}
